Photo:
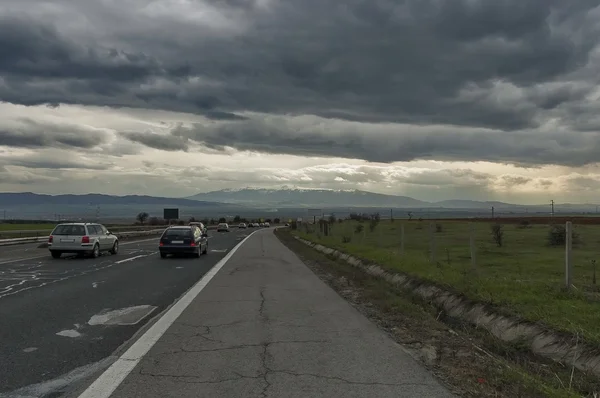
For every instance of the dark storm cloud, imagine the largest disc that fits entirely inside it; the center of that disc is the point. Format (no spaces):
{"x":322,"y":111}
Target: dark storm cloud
{"x":403,"y":61}
{"x":158,"y":141}
{"x":393,"y":143}
{"x":31,"y":134}
{"x":506,"y":69}
{"x":29,"y":49}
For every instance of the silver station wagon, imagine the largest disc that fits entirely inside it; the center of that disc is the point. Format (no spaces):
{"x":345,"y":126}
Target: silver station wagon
{"x":83,"y":239}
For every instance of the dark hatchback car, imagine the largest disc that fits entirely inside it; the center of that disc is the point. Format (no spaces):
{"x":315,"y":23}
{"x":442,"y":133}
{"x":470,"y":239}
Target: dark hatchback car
{"x":183,"y":240}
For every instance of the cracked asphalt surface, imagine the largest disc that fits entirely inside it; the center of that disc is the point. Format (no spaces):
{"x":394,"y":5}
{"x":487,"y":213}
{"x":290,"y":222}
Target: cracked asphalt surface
{"x":266,"y":326}
{"x":41,"y":296}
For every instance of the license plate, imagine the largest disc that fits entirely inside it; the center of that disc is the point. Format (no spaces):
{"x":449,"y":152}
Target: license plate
{"x":177,"y":241}
{"x":68,"y":240}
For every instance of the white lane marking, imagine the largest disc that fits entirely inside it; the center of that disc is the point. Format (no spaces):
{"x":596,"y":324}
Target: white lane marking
{"x":108,"y":381}
{"x":33,"y":258}
{"x":219,"y":251}
{"x":131,"y":259}
{"x":30,"y":349}
{"x":21,"y":259}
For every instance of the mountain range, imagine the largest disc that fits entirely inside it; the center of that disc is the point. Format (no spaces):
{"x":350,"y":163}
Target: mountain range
{"x":255,"y":202}
{"x":93,"y":199}
{"x":325,"y":198}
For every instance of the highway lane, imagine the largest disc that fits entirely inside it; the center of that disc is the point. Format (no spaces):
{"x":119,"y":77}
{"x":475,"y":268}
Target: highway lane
{"x":54,"y":313}
{"x":15,"y":252}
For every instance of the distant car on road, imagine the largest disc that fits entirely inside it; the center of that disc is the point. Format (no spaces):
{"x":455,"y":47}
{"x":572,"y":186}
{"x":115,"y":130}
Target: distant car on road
{"x":262,"y":224}
{"x":82,"y":238}
{"x":202,"y":227}
{"x":223,"y":227}
{"x":183,"y":240}
{"x":242,"y":226}
{"x":267,"y":225}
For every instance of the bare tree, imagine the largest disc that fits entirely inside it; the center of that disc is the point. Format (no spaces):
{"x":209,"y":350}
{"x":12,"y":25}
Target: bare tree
{"x":142,"y":217}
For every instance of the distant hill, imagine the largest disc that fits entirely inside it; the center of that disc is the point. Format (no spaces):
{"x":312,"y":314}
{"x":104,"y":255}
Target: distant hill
{"x":307,"y":198}
{"x":257,"y":202}
{"x":328,"y":199}
{"x":34,"y":199}
{"x":27,"y":205}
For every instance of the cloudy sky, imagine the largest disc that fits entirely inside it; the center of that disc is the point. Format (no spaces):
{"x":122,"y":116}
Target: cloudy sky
{"x":435,"y":99}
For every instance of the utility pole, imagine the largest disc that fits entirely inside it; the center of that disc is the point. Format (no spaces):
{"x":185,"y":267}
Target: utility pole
{"x":552,"y":203}
{"x":392,"y":215}
{"x":98,"y":213}
{"x":492,"y":211}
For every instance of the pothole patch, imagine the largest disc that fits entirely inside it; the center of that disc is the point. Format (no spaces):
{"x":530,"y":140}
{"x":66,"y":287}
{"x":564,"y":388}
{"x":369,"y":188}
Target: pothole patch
{"x":122,"y":317}
{"x":72,"y":333}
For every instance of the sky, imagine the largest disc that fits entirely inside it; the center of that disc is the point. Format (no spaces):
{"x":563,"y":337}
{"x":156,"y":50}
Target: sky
{"x":434,"y":99}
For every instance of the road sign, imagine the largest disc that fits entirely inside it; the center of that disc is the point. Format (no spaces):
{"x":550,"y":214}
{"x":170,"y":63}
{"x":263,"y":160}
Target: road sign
{"x":171,"y":214}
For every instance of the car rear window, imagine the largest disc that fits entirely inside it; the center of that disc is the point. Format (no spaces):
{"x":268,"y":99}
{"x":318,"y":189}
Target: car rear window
{"x":222,"y":225}
{"x":178,"y":232}
{"x":69,"y":230}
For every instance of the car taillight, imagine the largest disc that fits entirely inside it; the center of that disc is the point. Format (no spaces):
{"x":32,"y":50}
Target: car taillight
{"x":161,"y":244}
{"x":50,"y":239}
{"x":193,"y":244}
{"x":85,"y":239}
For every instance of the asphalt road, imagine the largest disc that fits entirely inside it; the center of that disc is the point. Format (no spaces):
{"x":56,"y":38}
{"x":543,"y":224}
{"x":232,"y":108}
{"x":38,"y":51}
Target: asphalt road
{"x":55,"y":315}
{"x":264,"y":326}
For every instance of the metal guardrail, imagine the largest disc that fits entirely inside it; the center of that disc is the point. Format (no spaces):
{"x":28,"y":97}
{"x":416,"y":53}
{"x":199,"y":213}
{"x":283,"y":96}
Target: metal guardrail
{"x":35,"y":233}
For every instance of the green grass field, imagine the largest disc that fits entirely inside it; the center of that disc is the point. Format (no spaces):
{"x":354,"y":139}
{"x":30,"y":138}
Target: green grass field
{"x":524,"y":277}
{"x":25,"y":227}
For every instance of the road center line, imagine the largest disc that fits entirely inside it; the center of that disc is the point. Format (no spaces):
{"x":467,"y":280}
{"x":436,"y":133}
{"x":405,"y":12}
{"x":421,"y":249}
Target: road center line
{"x":131,"y":259}
{"x":21,"y":259}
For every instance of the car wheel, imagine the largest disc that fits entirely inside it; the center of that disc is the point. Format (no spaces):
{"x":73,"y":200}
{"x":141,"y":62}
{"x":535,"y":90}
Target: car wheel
{"x":115,"y":248}
{"x":163,"y":255}
{"x":205,"y":251}
{"x":96,"y":251}
{"x":55,"y":253}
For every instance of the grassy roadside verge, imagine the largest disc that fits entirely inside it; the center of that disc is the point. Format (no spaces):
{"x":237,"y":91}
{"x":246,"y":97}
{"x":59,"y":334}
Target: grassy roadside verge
{"x":524,"y":276}
{"x":470,"y":361}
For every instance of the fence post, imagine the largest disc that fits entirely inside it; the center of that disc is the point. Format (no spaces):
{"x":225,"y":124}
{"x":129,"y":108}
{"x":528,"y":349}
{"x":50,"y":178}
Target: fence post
{"x":402,"y":238}
{"x":472,"y":246}
{"x":432,"y":242}
{"x":568,"y":254}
